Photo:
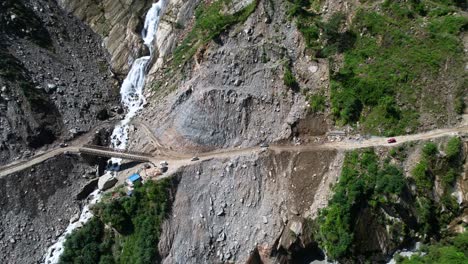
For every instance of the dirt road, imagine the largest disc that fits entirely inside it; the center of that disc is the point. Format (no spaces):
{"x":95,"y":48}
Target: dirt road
{"x":180,"y":160}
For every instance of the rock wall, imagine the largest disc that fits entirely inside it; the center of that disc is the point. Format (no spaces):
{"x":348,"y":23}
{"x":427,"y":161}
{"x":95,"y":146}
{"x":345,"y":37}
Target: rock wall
{"x":119,"y":23}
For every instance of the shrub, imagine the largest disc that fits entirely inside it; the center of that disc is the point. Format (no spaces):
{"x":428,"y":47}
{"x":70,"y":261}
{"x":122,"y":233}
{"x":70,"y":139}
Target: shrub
{"x":289,"y":79}
{"x":453,"y":250}
{"x":114,"y":214}
{"x":459,"y":105}
{"x":83,"y":245}
{"x":317,"y":103}
{"x":387,"y":61}
{"x":210,"y":22}
{"x":449,"y":178}
{"x":430,"y":150}
{"x":390,"y":180}
{"x":424,"y":181}
{"x":425,"y":211}
{"x":144,"y":212}
{"x":362,"y":181}
{"x":453,"y":148}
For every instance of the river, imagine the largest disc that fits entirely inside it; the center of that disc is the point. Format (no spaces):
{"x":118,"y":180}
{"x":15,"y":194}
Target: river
{"x":132,"y":99}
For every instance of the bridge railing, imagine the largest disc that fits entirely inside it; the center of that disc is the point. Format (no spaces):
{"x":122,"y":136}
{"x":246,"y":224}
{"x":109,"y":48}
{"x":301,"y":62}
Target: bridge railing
{"x":136,"y":153}
{"x":102,"y":153}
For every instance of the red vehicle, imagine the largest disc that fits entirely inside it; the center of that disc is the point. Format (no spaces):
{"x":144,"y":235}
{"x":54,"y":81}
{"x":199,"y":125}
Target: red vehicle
{"x":391,"y":140}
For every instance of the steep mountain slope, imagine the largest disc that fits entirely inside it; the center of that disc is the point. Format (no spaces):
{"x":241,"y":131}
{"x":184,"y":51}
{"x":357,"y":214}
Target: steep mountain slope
{"x":229,"y":74}
{"x":54,"y":78}
{"x":119,"y":24}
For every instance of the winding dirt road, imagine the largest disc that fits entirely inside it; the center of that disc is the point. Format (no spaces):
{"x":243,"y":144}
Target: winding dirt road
{"x":179,"y":160}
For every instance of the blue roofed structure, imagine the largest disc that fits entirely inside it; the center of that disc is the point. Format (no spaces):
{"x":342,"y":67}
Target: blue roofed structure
{"x":134,"y":178}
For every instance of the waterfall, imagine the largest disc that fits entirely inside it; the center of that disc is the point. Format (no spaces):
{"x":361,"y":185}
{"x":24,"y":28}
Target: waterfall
{"x":132,"y":87}
{"x":132,"y":98}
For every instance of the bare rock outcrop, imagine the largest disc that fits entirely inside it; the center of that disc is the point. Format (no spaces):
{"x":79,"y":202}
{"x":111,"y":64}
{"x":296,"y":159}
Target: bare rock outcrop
{"x":226,"y":209}
{"x":233,"y":93}
{"x":119,"y":23}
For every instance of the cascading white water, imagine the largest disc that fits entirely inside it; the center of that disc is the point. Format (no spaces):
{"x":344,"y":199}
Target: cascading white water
{"x":132,"y":87}
{"x":132,"y":98}
{"x":54,"y":252}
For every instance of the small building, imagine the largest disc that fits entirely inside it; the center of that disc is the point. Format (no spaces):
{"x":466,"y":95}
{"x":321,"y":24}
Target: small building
{"x":133,"y":179}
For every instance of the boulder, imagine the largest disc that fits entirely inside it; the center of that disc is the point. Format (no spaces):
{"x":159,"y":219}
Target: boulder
{"x":296,"y":228}
{"x":106,"y":181}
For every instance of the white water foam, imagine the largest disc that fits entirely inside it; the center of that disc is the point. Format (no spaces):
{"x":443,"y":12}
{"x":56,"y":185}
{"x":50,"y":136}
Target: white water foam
{"x":406,"y":253}
{"x":132,"y":87}
{"x":132,"y":98}
{"x":54,"y":252}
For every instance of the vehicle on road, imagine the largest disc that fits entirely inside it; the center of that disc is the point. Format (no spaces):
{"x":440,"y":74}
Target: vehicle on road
{"x":63,"y":145}
{"x":264,"y":145}
{"x":194,"y":159}
{"x":391,"y":140}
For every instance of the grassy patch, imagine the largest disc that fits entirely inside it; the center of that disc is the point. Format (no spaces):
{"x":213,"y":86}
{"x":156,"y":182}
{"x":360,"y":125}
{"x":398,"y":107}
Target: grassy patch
{"x":392,"y":58}
{"x":322,"y":38}
{"x":453,"y":148}
{"x":388,"y":63}
{"x":136,"y":226}
{"x":289,"y":79}
{"x":317,"y":102}
{"x":210,"y":21}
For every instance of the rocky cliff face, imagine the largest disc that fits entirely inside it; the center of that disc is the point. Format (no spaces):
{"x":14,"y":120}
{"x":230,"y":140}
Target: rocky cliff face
{"x":119,"y":23}
{"x":54,"y":78}
{"x":233,"y":93}
{"x":249,"y":209}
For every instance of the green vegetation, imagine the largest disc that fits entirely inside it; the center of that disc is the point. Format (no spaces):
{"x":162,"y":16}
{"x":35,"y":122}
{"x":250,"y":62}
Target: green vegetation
{"x":317,"y":102}
{"x":453,"y":149}
{"x":310,"y":25}
{"x":391,"y":58}
{"x":369,"y":185}
{"x":136,"y":226}
{"x":90,"y":244}
{"x":289,"y":79}
{"x":399,"y":152}
{"x":433,"y":216}
{"x":424,"y":180}
{"x":363,"y":182}
{"x":453,"y":250}
{"x":210,"y":21}
{"x":430,"y":150}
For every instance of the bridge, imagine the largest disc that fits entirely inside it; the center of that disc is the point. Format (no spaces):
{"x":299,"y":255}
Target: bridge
{"x":115,"y":153}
